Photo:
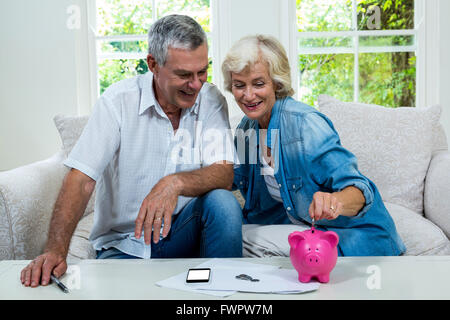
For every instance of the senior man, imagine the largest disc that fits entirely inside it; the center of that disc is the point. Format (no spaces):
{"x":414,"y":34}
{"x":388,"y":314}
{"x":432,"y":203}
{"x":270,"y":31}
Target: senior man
{"x":130,"y":151}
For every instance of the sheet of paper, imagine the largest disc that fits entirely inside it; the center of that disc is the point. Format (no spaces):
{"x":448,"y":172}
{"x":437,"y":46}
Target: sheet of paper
{"x":179,"y":281}
{"x":270,"y":281}
{"x":223,"y":282}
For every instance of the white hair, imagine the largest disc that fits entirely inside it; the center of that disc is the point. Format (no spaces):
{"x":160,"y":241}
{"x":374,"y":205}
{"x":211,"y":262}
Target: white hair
{"x":176,"y":31}
{"x":249,"y":50}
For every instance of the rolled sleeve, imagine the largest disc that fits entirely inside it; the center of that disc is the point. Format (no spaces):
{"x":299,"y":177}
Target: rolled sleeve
{"x":98,"y":142}
{"x":368,"y":196}
{"x":331,"y":165}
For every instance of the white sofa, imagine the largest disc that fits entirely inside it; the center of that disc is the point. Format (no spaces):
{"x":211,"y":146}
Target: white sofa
{"x":404,"y":151}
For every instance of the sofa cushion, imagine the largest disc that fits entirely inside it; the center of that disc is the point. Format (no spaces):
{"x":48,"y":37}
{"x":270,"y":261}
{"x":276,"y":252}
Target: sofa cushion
{"x":393,"y":145}
{"x":259,"y":241}
{"x":70,"y":129}
{"x":80,"y":246}
{"x":420,"y":236}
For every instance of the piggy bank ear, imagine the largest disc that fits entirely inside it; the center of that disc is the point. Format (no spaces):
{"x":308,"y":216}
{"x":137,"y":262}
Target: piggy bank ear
{"x":295,"y":237}
{"x":331,"y":237}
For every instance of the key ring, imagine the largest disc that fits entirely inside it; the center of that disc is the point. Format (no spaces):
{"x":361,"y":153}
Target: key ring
{"x":244,"y":276}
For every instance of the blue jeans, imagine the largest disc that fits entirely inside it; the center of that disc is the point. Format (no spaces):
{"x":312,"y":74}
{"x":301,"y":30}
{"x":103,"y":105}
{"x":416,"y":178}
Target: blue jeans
{"x":209,"y":226}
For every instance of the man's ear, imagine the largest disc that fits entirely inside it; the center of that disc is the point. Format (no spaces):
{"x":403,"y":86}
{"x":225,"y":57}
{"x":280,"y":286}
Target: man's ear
{"x":152,"y":65}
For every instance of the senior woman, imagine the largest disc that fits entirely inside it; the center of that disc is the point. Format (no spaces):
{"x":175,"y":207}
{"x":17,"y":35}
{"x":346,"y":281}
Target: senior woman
{"x":293,"y":167}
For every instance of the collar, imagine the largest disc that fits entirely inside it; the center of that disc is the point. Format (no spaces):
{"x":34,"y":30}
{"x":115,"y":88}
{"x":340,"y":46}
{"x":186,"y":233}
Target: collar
{"x":274,"y":122}
{"x":148,"y":99}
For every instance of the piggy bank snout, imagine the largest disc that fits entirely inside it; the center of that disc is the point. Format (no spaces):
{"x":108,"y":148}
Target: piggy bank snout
{"x":313,"y":260}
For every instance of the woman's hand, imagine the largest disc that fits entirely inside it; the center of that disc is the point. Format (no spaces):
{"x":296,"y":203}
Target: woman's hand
{"x":325,"y":206}
{"x":347,"y":202}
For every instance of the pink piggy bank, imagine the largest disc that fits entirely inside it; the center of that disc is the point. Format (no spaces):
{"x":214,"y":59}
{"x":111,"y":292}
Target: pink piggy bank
{"x":313,"y":254}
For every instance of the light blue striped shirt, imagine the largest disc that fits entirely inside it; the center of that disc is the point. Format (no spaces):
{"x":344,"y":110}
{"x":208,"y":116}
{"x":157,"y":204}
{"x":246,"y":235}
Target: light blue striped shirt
{"x":129,"y":144}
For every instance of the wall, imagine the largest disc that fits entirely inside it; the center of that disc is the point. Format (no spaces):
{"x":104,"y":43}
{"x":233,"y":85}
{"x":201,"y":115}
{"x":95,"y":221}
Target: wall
{"x":45,"y":66}
{"x":236,"y":19}
{"x":444,"y":82}
{"x":38,"y":78}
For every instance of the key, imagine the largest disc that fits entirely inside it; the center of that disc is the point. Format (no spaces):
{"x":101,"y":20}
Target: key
{"x":246,"y":277}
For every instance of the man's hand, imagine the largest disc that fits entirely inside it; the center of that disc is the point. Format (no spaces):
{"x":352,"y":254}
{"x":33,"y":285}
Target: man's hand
{"x":157,"y":207}
{"x":160,"y":203}
{"x":39,"y":270}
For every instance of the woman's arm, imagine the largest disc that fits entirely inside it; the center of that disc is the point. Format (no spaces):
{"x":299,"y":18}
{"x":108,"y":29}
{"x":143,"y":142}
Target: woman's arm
{"x":332,"y":167}
{"x":347,"y":202}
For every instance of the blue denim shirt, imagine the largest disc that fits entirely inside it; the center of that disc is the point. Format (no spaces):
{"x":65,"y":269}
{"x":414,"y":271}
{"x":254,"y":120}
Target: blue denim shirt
{"x":309,"y":157}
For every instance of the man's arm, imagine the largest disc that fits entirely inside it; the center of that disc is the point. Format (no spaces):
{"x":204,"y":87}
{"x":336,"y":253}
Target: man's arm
{"x":158,"y":206}
{"x":197,"y":182}
{"x":69,"y":207}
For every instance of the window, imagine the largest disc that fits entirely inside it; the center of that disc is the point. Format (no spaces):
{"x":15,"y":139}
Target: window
{"x":121,"y":34}
{"x":357,"y":50}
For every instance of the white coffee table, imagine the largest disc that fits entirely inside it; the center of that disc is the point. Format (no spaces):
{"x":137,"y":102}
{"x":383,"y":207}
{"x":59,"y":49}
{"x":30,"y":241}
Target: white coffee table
{"x":425,"y":277}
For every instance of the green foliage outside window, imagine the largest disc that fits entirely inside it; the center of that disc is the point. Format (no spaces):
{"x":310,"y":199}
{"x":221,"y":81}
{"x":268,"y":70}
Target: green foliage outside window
{"x":386,"y":79}
{"x":118,"y":17}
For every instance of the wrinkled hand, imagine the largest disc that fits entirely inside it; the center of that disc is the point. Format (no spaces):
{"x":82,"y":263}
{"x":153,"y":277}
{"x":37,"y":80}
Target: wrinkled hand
{"x":325,"y":206}
{"x":38,"y":271}
{"x":157,"y":208}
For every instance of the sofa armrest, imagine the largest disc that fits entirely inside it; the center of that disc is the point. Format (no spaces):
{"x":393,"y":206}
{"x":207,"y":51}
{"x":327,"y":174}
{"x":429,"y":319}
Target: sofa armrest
{"x":27,"y":198}
{"x":437,"y":191}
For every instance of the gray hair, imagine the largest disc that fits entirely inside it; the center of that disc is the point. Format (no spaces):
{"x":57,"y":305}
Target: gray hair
{"x":176,"y":31}
{"x":260,"y":48}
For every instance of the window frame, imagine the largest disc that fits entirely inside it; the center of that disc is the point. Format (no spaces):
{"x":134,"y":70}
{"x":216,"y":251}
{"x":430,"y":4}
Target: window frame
{"x":285,"y":25}
{"x":426,"y":37}
{"x":95,"y":54}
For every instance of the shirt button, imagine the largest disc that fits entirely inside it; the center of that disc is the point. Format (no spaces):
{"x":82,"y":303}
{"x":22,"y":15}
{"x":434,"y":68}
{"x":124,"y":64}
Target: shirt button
{"x":279,"y":185}
{"x":241,"y":182}
{"x":288,"y":208}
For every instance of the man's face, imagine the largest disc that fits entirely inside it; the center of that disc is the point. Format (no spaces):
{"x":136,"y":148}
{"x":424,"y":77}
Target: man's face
{"x":179,"y":81}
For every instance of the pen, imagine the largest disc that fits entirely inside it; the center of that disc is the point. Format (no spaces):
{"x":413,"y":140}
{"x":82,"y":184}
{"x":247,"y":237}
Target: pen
{"x":59,"y":283}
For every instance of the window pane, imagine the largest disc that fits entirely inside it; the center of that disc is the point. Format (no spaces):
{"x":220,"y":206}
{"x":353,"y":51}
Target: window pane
{"x":385,"y":14}
{"x":330,"y":74}
{"x":115,"y":17}
{"x":324,"y":15}
{"x":325,"y":42}
{"x":387,"y":79}
{"x":111,"y":71}
{"x":118,"y":17}
{"x":386,"y":41}
{"x":197,"y":9}
{"x":123,"y":46}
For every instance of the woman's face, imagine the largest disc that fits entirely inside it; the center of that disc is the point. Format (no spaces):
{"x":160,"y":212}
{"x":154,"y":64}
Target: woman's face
{"x":254,"y":92}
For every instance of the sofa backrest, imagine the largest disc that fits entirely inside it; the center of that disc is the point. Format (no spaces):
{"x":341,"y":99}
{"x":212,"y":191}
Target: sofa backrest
{"x":393,"y":146}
